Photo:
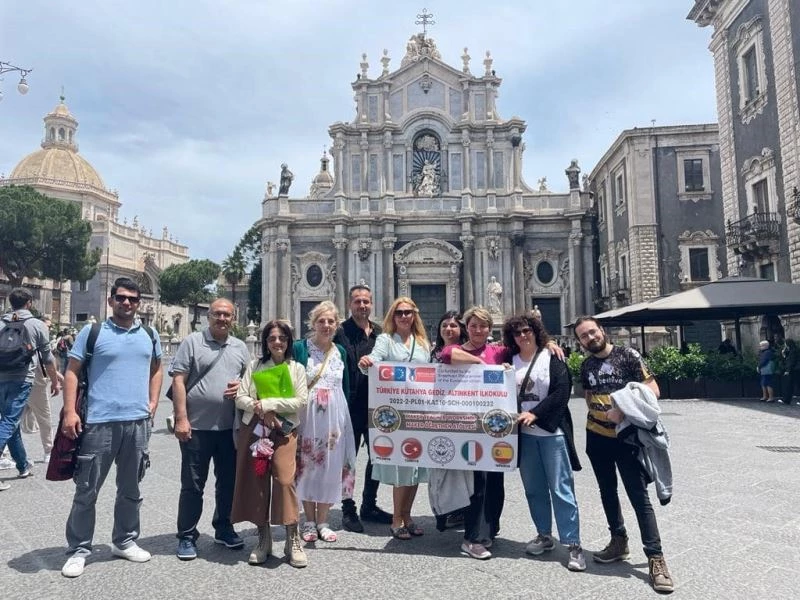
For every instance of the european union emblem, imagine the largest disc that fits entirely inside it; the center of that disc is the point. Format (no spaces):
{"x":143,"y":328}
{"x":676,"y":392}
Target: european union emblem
{"x":492,"y":377}
{"x":399,"y":373}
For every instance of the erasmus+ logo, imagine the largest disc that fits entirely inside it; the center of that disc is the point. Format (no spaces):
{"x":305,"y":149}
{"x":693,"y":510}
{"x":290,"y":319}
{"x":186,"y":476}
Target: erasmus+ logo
{"x":392,"y":374}
{"x":492,"y":377}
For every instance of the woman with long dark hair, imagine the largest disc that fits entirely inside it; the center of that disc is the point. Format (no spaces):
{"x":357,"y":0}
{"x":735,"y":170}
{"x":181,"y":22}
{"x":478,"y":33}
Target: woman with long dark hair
{"x":256,"y":495}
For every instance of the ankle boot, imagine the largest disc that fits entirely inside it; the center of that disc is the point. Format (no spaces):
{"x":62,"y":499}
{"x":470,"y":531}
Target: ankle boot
{"x":264,"y":548}
{"x":294,"y":548}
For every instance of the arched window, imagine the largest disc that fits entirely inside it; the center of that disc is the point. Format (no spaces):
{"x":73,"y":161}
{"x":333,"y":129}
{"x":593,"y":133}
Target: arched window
{"x":61,"y":134}
{"x":52,"y":134}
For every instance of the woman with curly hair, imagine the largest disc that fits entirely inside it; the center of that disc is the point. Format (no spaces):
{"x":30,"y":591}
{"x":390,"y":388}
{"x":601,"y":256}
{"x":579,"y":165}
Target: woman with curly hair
{"x":547,"y":453}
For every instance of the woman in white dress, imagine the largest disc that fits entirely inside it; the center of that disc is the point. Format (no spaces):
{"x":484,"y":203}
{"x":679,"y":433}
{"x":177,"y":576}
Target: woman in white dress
{"x":403,"y":340}
{"x":326,"y":470}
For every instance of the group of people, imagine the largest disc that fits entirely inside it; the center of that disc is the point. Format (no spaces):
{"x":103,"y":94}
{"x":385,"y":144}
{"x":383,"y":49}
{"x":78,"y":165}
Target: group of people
{"x":770,"y":371}
{"x":296,"y":446}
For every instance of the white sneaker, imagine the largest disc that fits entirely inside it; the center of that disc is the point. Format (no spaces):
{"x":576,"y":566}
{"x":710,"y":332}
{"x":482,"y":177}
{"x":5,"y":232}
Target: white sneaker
{"x":7,"y":463}
{"x":132,"y":553}
{"x":46,"y":458}
{"x":475,"y":550}
{"x":74,"y":566}
{"x":577,"y":561}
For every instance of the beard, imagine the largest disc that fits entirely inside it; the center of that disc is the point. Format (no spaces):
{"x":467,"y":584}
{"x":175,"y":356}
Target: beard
{"x":597,"y":345}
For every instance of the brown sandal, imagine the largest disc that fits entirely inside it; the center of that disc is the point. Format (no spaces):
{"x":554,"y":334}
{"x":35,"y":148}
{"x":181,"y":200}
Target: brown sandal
{"x":400,"y":533}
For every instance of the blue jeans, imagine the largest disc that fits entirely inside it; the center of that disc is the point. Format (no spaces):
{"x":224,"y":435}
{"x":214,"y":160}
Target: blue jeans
{"x":13,"y":398}
{"x":549,"y":487}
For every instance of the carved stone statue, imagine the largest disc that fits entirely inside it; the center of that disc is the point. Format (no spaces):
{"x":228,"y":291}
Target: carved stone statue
{"x":270,"y":189}
{"x":286,"y":180}
{"x":495,"y":293}
{"x":427,"y":184}
{"x":543,"y":184}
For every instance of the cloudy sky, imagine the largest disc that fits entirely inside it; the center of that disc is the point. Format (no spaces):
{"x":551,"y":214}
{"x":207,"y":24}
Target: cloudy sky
{"x":188,"y":108}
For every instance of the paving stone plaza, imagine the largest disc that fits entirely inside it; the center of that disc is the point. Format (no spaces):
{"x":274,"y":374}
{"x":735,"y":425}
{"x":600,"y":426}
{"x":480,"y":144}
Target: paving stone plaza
{"x":731,"y":531}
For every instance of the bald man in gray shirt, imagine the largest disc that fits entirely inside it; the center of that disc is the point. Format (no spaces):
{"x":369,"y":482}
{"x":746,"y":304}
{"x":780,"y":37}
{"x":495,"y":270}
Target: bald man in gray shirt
{"x":206,"y":372}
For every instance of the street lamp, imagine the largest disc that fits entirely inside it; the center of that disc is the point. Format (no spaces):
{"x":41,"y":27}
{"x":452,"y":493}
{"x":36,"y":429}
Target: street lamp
{"x":22,"y":86}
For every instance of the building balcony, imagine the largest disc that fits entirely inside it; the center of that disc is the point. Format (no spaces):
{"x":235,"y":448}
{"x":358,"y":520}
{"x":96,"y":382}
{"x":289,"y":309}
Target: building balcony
{"x":619,"y":287}
{"x":754,"y":236}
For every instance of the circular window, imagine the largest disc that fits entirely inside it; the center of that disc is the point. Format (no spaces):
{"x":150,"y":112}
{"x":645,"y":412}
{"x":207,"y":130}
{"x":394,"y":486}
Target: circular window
{"x":545,"y":272}
{"x":314,"y":275}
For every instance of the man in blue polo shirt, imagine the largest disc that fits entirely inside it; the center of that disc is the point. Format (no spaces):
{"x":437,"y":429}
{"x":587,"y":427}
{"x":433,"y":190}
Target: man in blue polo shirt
{"x":124,"y":386}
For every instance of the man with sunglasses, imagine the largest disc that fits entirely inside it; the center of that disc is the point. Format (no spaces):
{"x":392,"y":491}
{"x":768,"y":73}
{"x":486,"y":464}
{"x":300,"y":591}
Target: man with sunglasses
{"x":205,"y":378}
{"x":357,"y":335}
{"x":124,"y":376}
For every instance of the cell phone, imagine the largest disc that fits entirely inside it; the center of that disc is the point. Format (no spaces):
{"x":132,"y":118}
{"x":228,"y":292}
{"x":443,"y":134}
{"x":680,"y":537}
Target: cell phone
{"x":287,"y":426}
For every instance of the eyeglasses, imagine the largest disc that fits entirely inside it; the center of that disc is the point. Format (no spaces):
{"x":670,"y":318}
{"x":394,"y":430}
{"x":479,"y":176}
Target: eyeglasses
{"x":277,"y":338}
{"x":121,"y":298}
{"x":403,"y":313}
{"x":523,"y":331}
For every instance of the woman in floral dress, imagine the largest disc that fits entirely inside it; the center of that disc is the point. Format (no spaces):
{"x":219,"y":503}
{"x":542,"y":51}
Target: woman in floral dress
{"x":326,"y":470}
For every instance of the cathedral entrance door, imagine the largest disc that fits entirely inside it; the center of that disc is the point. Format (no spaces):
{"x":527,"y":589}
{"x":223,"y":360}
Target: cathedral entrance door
{"x":431,"y":299}
{"x":551,"y":314}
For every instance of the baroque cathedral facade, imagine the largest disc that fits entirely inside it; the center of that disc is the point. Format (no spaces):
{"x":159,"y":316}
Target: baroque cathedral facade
{"x":425,"y":198}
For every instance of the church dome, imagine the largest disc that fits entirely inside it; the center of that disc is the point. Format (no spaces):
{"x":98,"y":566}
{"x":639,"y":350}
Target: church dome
{"x":58,"y":160}
{"x":60,"y":164}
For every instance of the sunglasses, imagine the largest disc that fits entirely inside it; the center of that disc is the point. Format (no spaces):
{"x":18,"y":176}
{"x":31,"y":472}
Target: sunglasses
{"x":403,"y":313}
{"x":279,"y":338}
{"x":121,"y":298}
{"x":523,"y":331}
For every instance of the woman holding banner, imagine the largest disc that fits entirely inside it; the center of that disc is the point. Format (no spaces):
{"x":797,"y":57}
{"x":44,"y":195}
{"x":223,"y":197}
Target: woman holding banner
{"x":547,"y":453}
{"x":482,"y":517}
{"x":326,"y":472}
{"x":270,"y":413}
{"x":403,"y":340}
{"x":450,"y":330}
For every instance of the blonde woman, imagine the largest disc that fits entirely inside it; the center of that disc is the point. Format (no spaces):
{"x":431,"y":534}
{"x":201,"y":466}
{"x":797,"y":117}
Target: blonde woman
{"x":326,"y":472}
{"x":403,"y":340}
{"x":254,"y":495}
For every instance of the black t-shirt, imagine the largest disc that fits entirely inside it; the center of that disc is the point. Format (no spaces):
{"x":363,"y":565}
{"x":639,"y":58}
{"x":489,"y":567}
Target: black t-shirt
{"x":603,"y":376}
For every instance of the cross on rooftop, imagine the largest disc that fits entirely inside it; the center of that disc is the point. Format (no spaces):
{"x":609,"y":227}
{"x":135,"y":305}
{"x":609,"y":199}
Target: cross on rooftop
{"x":425,"y":19}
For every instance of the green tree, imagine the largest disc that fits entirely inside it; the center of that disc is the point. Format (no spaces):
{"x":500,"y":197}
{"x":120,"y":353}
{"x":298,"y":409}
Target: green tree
{"x":43,"y":237}
{"x":188,"y":285}
{"x":254,"y":294}
{"x":234,"y":271}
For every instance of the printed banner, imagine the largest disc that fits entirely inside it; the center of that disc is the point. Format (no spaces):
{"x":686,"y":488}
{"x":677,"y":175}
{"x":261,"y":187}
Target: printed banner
{"x":443,"y":416}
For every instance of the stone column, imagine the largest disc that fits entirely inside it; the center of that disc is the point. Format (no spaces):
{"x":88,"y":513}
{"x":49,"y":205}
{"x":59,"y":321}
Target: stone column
{"x":518,"y":248}
{"x":269,"y":278}
{"x":388,"y":172}
{"x":465,"y":142}
{"x":516,"y":163}
{"x":575,"y":272}
{"x":284,"y":285}
{"x":387,"y":245}
{"x":341,"y":300}
{"x":490,"y":161}
{"x":468,"y":242}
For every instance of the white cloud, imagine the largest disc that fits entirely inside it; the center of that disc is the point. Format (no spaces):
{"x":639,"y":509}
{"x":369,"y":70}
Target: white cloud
{"x":189,"y":107}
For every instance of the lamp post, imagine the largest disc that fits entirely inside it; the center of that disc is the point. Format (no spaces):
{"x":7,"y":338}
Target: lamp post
{"x":22,"y":86}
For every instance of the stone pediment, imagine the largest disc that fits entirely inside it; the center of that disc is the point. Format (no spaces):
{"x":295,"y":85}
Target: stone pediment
{"x":428,"y":251}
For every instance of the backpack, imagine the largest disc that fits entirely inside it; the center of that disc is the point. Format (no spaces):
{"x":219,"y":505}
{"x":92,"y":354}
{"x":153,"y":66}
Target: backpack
{"x":16,"y":351}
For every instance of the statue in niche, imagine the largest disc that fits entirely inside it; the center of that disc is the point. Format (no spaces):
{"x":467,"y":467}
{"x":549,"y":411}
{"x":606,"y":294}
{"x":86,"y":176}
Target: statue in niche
{"x":427,"y":174}
{"x":495,"y":293}
{"x":286,"y":180}
{"x":427,"y":184}
{"x":270,"y":189}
